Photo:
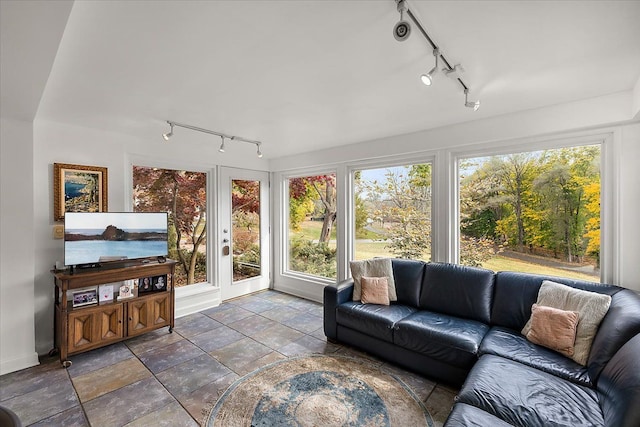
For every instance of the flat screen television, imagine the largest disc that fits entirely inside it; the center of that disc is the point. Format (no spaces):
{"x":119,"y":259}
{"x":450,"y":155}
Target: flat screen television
{"x":91,"y":238}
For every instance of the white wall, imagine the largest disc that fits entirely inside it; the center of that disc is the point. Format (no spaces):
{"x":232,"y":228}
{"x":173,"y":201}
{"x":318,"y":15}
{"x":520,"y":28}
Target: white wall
{"x":17,"y":336}
{"x":63,"y":143}
{"x":629,"y":225}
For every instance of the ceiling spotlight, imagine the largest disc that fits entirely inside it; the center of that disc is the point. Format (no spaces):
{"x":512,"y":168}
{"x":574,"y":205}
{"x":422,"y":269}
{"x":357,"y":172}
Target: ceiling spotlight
{"x":427,"y":79}
{"x":169,"y":134}
{"x":221,"y":149}
{"x":258,"y":151}
{"x":402,"y":29}
{"x":470,"y":104}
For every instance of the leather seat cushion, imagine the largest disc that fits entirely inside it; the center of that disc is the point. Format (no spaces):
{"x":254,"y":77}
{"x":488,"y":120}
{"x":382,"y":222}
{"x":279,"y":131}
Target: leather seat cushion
{"x":522,"y":395}
{"x":464,"y":415}
{"x":446,"y":338}
{"x":372,"y":319}
{"x":512,"y":345}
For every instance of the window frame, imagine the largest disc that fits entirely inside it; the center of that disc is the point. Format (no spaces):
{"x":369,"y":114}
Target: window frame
{"x":609,"y":143}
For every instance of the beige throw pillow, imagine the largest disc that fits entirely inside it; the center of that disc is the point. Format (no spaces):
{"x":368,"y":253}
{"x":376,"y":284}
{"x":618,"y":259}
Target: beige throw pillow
{"x":553,"y":328}
{"x":377,"y":267}
{"x":375,"y":290}
{"x":591,"y":308}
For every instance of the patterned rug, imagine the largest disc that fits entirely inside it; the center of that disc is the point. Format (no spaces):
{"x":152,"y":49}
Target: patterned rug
{"x":319,"y":391}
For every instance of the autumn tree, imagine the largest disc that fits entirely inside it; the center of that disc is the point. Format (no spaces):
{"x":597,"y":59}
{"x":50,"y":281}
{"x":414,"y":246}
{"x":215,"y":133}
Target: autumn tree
{"x":182,"y":195}
{"x":302,"y":192}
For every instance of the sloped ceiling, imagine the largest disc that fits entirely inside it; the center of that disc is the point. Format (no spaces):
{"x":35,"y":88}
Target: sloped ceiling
{"x":306,"y":75}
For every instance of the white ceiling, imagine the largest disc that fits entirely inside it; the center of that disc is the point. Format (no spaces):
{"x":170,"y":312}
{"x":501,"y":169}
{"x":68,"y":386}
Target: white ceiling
{"x":305,"y":75}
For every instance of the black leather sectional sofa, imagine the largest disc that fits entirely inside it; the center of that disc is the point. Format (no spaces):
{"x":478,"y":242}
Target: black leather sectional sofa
{"x":461,"y":325}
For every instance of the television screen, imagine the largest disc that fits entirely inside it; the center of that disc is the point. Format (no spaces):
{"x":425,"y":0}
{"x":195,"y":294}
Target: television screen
{"x":94,"y":237}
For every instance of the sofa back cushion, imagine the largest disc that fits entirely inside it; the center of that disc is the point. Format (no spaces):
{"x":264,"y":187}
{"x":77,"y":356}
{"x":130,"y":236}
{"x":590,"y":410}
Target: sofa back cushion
{"x":408,"y":275}
{"x":458,"y":290}
{"x":619,"y":386}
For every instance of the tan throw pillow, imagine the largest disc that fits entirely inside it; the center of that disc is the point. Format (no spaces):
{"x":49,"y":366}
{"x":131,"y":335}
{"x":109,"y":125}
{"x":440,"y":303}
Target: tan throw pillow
{"x":375,"y":290}
{"x":553,"y":328}
{"x":377,"y":267}
{"x":590,"y":306}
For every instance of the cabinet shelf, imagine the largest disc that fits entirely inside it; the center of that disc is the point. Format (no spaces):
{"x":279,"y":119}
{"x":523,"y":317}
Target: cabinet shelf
{"x":84,"y":328}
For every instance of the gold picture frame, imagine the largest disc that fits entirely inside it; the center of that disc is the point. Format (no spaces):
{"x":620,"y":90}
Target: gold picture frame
{"x":78,"y":188}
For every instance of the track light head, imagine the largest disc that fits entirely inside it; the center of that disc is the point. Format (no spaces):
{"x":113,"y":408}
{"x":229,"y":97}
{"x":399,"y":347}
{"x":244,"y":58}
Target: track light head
{"x":402,"y":30}
{"x":258,"y":152}
{"x":221,"y":149}
{"x":427,"y":79}
{"x":470,"y":104}
{"x":169,"y":134}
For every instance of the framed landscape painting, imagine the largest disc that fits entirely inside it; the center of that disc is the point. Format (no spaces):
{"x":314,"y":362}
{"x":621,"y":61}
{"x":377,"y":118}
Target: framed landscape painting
{"x":78,"y":188}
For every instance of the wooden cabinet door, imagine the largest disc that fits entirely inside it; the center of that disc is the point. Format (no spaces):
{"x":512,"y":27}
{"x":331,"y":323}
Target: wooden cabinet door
{"x":149,"y":313}
{"x":94,"y":327}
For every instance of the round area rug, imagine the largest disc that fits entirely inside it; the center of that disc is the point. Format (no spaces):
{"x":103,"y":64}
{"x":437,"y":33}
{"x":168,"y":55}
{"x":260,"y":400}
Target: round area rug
{"x":319,"y":391}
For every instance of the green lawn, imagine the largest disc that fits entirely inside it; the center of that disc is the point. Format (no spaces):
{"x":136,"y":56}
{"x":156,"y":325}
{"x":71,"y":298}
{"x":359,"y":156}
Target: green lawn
{"x":368,"y":249}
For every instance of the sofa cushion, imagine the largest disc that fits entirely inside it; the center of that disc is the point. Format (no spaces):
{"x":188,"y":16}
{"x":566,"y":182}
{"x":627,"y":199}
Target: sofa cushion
{"x":524,"y":396}
{"x":464,"y":415}
{"x":619,"y":386}
{"x":374,"y":320}
{"x":512,"y":345}
{"x":515,"y":293}
{"x":553,"y":328}
{"x":446,"y":338}
{"x":376,"y":267}
{"x":591,"y":306}
{"x":408,"y":275}
{"x":458,"y":290}
{"x":375,"y":290}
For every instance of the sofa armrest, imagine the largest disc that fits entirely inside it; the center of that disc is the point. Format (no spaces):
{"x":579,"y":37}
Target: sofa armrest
{"x":334,"y":295}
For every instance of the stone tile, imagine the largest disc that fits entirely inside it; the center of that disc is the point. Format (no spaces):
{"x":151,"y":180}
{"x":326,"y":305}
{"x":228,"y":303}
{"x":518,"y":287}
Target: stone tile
{"x":305,"y":305}
{"x":191,"y":375}
{"x":171,"y":355}
{"x":420,"y":385}
{"x":28,"y":380}
{"x":308,"y":345}
{"x":99,"y":358}
{"x":228,"y":313}
{"x":195,"y":324}
{"x":439,"y":404}
{"x":319,"y":333}
{"x":357,"y":354}
{"x":217,"y":338}
{"x":237,"y":355}
{"x":277,"y":336}
{"x":152,"y":341}
{"x":252,"y":324}
{"x":73,"y":417}
{"x":200,"y":402}
{"x":258,"y":305}
{"x":128,"y":403}
{"x":279,"y":297}
{"x":268,"y":359}
{"x":281,"y":313}
{"x":43,"y":402}
{"x":110,"y":378}
{"x":304,"y":322}
{"x":169,"y":416}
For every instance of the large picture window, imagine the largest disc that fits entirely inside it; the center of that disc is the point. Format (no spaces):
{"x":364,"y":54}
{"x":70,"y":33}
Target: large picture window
{"x":312,"y":225}
{"x":183,"y":194}
{"x":392,"y":212}
{"x":536,"y":211}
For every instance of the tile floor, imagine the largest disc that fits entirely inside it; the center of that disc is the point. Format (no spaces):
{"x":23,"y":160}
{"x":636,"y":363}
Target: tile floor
{"x":165,"y":379}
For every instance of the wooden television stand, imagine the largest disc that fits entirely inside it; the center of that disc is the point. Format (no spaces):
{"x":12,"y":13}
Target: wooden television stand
{"x":83,"y":328}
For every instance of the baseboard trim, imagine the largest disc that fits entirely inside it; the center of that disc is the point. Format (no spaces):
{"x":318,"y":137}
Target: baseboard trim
{"x":193,"y":302}
{"x":18,"y":363}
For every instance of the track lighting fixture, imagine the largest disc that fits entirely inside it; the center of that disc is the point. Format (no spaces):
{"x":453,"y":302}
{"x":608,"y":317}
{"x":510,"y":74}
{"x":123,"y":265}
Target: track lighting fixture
{"x":222,"y":136}
{"x":169,"y":134}
{"x":402,"y":30}
{"x":449,"y":70}
{"x":470,"y":104}
{"x":427,"y":79}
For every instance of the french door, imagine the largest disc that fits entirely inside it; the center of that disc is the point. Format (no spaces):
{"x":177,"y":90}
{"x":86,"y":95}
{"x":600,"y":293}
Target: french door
{"x":244,"y":232}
